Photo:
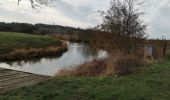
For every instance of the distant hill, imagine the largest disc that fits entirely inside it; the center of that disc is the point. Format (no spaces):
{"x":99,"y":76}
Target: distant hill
{"x":37,"y":28}
{"x":74,"y":34}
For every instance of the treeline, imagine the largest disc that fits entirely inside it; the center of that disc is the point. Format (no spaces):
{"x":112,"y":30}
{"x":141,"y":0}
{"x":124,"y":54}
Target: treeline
{"x":73,"y":34}
{"x":37,"y":28}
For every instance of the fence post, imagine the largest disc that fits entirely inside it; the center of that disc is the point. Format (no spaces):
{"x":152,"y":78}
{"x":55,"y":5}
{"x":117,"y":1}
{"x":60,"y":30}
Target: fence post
{"x":164,"y":50}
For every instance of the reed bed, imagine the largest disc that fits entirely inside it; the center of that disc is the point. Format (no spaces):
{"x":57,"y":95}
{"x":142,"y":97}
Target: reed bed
{"x":117,"y":64}
{"x":20,"y":54}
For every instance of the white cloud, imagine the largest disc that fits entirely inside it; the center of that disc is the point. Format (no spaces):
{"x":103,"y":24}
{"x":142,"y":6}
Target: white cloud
{"x":157,"y":18}
{"x":83,"y":13}
{"x":78,"y":13}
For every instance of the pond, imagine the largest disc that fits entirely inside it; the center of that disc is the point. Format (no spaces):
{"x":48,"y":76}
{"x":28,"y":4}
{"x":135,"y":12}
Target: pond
{"x":77,"y":54}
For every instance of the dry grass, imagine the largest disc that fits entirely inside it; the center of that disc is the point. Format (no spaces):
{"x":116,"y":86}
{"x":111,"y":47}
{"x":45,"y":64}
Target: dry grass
{"x":19,"y":54}
{"x":94,"y":68}
{"x":121,"y":64}
{"x":61,"y":37}
{"x":117,"y":64}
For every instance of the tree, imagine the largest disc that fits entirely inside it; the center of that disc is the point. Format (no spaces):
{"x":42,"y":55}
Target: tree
{"x":124,"y":24}
{"x":38,"y":3}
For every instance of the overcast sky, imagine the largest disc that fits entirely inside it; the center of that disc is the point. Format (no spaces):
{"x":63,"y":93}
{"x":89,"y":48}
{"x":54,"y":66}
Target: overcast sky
{"x":83,"y":13}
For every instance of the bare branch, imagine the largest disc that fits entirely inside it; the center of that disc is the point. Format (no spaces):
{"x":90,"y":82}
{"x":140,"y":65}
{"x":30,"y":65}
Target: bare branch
{"x":123,"y":22}
{"x":38,"y":3}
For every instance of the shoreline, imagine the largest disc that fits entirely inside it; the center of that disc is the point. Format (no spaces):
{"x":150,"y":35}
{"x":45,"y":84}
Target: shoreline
{"x":23,"y":54}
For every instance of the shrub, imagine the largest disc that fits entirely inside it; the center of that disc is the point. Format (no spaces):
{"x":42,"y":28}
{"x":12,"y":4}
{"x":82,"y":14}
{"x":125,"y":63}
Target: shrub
{"x":94,"y":68}
{"x":121,"y":64}
{"x":117,"y":64}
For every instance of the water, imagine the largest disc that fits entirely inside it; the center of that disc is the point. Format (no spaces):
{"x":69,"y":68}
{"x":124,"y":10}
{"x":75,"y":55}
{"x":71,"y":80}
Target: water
{"x":77,"y":54}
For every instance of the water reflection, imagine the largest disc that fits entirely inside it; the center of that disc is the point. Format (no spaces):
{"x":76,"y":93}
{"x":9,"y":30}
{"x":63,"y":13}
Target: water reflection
{"x":77,"y":54}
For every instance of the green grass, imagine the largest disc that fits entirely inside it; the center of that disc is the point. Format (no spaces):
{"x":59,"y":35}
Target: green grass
{"x":10,"y":41}
{"x":153,"y":83}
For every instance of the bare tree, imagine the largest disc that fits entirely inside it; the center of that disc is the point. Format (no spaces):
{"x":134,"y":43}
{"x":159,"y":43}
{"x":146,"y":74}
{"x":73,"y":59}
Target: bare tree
{"x":123,"y":22}
{"x":38,"y":3}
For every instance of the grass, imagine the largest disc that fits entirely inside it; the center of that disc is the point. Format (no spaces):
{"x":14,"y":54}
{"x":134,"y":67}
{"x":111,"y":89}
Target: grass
{"x":10,"y":41}
{"x":152,"y":83}
{"x":19,"y":46}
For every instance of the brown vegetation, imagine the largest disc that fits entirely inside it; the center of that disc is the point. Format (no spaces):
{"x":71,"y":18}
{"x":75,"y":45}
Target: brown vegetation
{"x":121,"y":64}
{"x":78,"y":37}
{"x":122,"y":27}
{"x":20,"y":54}
{"x":117,"y":64}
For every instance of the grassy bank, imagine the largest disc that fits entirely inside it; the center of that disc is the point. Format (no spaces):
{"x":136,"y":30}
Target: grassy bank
{"x":118,"y":64}
{"x":152,"y":83}
{"x":14,"y":45}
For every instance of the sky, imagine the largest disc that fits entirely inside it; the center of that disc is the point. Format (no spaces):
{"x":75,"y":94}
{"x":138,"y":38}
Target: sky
{"x":83,"y":13}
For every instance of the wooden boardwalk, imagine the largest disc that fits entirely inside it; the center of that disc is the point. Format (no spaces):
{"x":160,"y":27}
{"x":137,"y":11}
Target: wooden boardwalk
{"x":10,"y":79}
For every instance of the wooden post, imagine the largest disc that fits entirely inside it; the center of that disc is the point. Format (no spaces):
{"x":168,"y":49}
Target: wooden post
{"x":164,"y":50}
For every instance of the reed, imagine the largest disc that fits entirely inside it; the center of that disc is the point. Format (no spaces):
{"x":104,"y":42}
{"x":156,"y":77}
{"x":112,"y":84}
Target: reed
{"x":20,"y":54}
{"x":117,"y":64}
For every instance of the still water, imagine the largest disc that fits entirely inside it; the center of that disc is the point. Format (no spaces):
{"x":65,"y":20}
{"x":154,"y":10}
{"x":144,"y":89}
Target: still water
{"x":77,"y":54}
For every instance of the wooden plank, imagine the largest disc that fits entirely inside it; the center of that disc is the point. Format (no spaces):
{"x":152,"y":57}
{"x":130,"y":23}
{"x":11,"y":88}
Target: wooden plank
{"x":22,"y":84}
{"x":11,"y":79}
{"x":8,"y":79}
{"x":9,"y":74}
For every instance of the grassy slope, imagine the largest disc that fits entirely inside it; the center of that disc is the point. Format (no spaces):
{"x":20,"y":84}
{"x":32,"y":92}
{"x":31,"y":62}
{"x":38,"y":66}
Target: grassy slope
{"x":10,"y":41}
{"x":151,"y":84}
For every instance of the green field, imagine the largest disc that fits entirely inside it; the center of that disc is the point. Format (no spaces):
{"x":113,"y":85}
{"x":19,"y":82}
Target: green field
{"x":152,"y":83}
{"x":11,"y":40}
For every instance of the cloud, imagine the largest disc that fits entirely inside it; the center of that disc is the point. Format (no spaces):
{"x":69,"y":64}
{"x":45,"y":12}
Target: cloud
{"x":83,"y":13}
{"x":157,"y":18}
{"x":78,"y":13}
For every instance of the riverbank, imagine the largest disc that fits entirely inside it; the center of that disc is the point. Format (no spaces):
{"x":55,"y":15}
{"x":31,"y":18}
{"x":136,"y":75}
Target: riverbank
{"x":152,"y":83}
{"x":73,"y":39}
{"x":118,"y":64}
{"x":19,"y":46}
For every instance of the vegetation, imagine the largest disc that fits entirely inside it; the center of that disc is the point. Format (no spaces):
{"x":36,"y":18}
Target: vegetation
{"x":15,"y":45}
{"x":122,"y":25}
{"x":118,"y":64}
{"x":37,"y":28}
{"x":122,"y":31}
{"x":152,"y":83}
{"x":80,"y":37}
{"x":71,"y":33}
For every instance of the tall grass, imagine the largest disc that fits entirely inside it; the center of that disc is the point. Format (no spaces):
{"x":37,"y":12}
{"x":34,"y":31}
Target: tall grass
{"x":121,"y":64}
{"x":117,"y":64}
{"x":20,"y":54}
{"x":94,"y":68}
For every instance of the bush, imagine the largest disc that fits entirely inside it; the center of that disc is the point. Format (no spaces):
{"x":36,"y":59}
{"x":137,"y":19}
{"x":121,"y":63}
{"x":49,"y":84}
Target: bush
{"x":94,"y":68}
{"x":120,"y":64}
{"x":117,"y":64}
